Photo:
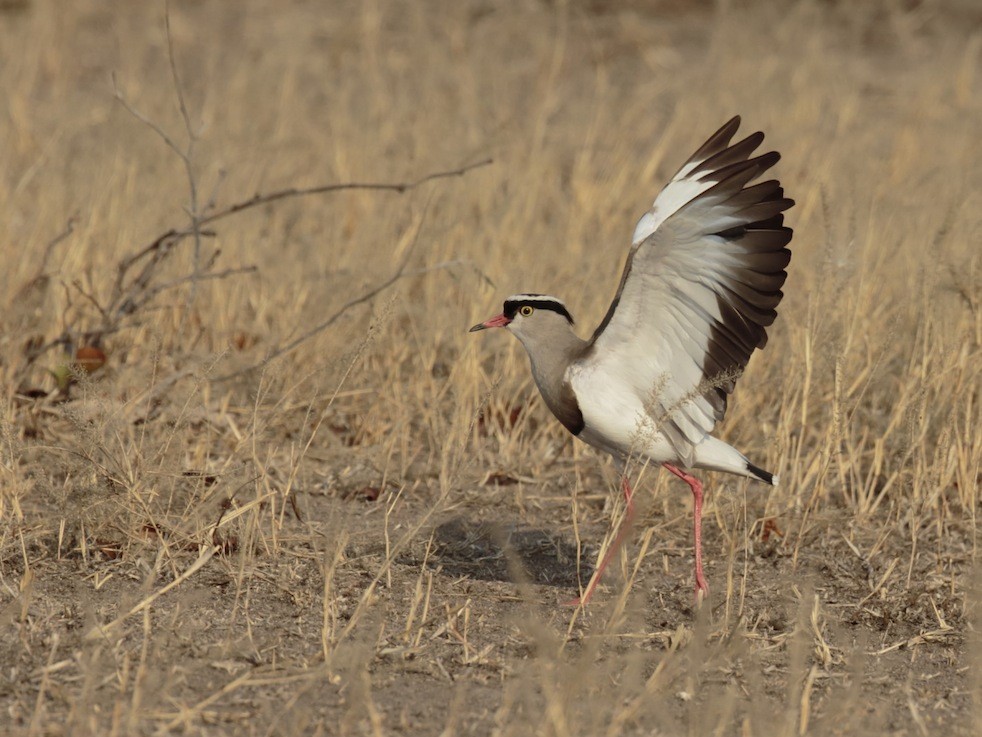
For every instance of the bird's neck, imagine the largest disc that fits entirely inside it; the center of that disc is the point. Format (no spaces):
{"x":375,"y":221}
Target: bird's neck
{"x":549,"y":363}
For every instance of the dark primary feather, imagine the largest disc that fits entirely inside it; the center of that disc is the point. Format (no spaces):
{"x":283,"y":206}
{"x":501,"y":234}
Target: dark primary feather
{"x":747,"y":300}
{"x":728,"y":241}
{"x":716,"y":142}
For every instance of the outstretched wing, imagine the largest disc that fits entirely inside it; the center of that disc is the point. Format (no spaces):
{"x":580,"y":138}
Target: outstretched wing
{"x":700,"y":287}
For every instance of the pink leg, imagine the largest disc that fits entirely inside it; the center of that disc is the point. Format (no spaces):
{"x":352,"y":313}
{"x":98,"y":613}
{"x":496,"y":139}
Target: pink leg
{"x":702,"y":588}
{"x":614,"y":546}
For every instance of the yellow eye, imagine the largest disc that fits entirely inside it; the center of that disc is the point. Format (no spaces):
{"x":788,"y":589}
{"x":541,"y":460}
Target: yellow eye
{"x":526,"y":311}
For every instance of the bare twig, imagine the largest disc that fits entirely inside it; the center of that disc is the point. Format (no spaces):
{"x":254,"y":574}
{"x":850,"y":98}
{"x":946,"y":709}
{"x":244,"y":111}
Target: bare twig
{"x":291,"y":192}
{"x":185,"y":153}
{"x":161,"y":133}
{"x":213,"y":197}
{"x":178,"y":88}
{"x":361,"y":299}
{"x":69,"y":229}
{"x":159,"y":249}
{"x":161,"y":246}
{"x":89,"y":296}
{"x":102,"y":631}
{"x":125,"y":293}
{"x":188,"y":158}
{"x":455,"y":262}
{"x":41,"y":277}
{"x":134,"y":285}
{"x":200,"y":277}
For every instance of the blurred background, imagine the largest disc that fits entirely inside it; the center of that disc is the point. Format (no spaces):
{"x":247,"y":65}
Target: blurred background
{"x":173,"y":434}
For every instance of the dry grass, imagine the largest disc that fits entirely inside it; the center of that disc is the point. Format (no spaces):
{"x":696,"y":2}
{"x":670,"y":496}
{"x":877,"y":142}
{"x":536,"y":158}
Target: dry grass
{"x":371,"y":534}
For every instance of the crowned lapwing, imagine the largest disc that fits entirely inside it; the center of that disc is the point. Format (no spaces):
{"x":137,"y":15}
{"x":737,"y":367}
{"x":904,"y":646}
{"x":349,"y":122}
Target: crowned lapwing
{"x":701,"y":284}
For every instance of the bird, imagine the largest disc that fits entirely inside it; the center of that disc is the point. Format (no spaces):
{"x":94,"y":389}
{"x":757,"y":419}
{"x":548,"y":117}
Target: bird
{"x":700,"y":286}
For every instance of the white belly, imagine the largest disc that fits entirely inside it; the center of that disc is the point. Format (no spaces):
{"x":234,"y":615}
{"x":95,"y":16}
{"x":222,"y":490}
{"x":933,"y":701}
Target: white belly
{"x":615,"y":419}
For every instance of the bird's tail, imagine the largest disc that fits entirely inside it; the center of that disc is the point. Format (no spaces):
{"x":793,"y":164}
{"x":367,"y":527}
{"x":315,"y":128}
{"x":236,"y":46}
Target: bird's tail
{"x":760,"y":473}
{"x":715,"y":455}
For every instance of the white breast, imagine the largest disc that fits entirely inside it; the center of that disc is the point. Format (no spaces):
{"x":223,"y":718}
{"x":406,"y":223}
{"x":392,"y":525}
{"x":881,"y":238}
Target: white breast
{"x":614,"y":416}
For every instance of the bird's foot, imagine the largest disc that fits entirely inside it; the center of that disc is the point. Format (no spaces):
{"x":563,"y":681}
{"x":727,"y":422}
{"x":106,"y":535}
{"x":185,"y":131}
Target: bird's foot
{"x":582,"y":600}
{"x":702,"y":591}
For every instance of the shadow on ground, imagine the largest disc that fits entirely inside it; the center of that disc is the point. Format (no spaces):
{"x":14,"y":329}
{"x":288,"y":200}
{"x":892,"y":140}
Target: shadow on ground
{"x":496,"y":551}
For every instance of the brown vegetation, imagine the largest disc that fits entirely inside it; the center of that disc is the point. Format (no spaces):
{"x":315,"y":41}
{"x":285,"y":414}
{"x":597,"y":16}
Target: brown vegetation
{"x":209,"y":525}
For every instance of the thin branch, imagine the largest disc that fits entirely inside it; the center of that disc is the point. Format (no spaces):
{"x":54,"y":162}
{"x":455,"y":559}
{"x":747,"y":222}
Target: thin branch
{"x":178,"y":88}
{"x":160,"y":250}
{"x":33,"y":354}
{"x":199,"y":277}
{"x":398,"y":274}
{"x":145,"y":120}
{"x":41,"y":276}
{"x":455,"y":262}
{"x":90,"y":297}
{"x":48,"y":249}
{"x":399,"y":187}
{"x":132,"y":292}
{"x":192,"y":210}
{"x":213,"y":197}
{"x":172,"y":237}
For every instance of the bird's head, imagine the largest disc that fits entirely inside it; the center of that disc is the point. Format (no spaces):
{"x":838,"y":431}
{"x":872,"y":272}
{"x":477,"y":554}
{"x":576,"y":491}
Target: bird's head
{"x":531,"y":317}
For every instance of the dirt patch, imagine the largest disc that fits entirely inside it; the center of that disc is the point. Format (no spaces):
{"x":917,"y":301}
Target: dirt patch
{"x":375,"y":533}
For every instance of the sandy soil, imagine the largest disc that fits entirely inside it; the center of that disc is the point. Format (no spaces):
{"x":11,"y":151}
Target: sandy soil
{"x":375,"y":533}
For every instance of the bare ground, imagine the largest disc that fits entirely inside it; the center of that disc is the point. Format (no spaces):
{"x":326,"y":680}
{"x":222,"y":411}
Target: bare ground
{"x":376,"y":533}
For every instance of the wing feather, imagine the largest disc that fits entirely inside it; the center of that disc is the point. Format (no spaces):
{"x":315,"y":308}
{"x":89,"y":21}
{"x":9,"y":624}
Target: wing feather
{"x":737,"y":152}
{"x":702,"y":283}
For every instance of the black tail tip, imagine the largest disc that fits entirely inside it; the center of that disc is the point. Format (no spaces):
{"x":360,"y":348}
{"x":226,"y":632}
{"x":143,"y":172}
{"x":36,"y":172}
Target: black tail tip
{"x":765,"y":476}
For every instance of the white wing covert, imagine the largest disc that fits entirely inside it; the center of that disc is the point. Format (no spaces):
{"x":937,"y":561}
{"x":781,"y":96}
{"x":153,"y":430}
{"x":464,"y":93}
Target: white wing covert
{"x":699,"y":289}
